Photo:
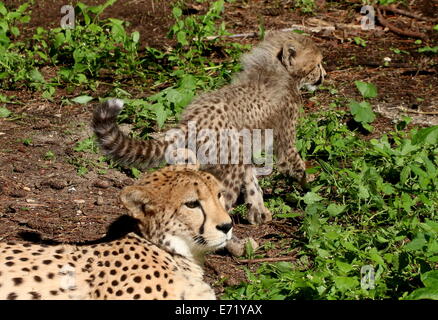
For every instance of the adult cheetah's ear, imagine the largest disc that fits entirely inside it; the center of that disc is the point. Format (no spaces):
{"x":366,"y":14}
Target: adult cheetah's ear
{"x":287,"y":55}
{"x":136,"y":200}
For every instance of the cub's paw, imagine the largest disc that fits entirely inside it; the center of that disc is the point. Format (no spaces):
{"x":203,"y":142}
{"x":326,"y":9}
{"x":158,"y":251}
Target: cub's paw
{"x":258,"y":214}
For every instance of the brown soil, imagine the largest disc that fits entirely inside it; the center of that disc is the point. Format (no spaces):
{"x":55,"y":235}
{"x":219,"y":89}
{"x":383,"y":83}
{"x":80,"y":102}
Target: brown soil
{"x":42,"y":194}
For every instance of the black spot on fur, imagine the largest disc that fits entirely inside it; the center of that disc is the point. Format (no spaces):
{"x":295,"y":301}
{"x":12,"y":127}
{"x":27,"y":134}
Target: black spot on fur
{"x":35,"y":295}
{"x":12,"y":296}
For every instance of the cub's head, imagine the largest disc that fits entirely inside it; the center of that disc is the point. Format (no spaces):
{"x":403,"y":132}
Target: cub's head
{"x":180,"y":209}
{"x":291,"y":52}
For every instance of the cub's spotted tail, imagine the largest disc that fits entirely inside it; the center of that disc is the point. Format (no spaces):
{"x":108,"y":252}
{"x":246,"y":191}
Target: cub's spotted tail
{"x":119,"y":146}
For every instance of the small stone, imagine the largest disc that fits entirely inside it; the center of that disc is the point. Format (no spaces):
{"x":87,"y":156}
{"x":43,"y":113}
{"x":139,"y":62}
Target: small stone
{"x":30,"y":201}
{"x":55,"y":184}
{"x":99,"y":201}
{"x":17,"y":194}
{"x":79,"y":201}
{"x":71,"y":189}
{"x":19,"y":169}
{"x":26,"y":188}
{"x":101,"y":184}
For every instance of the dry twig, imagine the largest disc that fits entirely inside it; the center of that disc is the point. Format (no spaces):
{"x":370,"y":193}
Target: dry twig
{"x":273,"y":259}
{"x":418,"y":111}
{"x":397,"y":30}
{"x":406,"y":13}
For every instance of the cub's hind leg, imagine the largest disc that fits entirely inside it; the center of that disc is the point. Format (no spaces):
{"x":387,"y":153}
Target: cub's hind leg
{"x":257,"y":212}
{"x":291,"y":164}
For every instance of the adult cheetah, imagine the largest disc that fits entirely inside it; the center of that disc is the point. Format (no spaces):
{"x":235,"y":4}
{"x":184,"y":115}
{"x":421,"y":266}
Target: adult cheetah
{"x":265,"y":95}
{"x":179,"y":217}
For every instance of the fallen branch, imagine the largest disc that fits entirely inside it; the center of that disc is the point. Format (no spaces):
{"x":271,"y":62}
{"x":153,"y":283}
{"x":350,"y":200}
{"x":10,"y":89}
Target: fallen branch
{"x":397,"y":30}
{"x":418,"y":112}
{"x":406,"y":13}
{"x":276,"y":259}
{"x":32,"y":204}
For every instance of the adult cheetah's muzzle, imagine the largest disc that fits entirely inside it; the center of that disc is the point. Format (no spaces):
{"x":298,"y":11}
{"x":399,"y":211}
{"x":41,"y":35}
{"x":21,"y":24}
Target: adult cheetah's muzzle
{"x":225,"y":227}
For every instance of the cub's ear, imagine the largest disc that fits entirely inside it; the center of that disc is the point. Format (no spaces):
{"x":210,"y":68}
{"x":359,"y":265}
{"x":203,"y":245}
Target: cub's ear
{"x":136,"y":200}
{"x":287,"y":55}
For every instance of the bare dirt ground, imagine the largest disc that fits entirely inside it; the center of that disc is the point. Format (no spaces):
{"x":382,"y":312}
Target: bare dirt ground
{"x":42,"y":194}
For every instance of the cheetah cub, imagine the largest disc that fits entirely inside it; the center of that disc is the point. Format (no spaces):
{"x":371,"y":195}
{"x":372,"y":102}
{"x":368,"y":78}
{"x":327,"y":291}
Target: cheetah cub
{"x":180,"y":217}
{"x":265,"y":95}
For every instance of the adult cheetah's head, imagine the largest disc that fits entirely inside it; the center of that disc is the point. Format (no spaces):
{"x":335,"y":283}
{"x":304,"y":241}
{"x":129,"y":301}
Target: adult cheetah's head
{"x":291,"y":52}
{"x":180,"y":209}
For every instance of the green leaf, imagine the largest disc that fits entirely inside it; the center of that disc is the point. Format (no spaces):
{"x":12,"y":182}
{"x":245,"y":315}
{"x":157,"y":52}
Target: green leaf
{"x":426,"y":136}
{"x":363,"y":192}
{"x":375,"y":256}
{"x":423,"y":293}
{"x":36,"y":76}
{"x":362,"y":112}
{"x":181,"y":37}
{"x":15,"y":31}
{"x":345,"y":283}
{"x":343,"y":267}
{"x":334,"y":209}
{"x":82,"y":99}
{"x":135,"y":36}
{"x":417,"y":243}
{"x":3,"y":10}
{"x":160,"y":113}
{"x":177,"y":12}
{"x":404,"y":175}
{"x":58,"y":40}
{"x":135,"y":173}
{"x":188,"y":82}
{"x":367,"y":90}
{"x":4,"y":113}
{"x":311,"y":197}
{"x":430,"y":278}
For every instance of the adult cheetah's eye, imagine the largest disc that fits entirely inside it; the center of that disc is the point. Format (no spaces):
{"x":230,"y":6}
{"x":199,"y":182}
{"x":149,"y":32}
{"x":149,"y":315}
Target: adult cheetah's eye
{"x":219,"y":195}
{"x":192,"y":204}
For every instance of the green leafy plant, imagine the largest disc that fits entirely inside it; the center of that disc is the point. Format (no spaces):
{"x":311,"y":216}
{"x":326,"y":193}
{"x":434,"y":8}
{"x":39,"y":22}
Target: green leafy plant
{"x":359,"y":41}
{"x":430,"y":281}
{"x":362,"y":111}
{"x":372,"y":204}
{"x":4,"y":112}
{"x":428,"y":49}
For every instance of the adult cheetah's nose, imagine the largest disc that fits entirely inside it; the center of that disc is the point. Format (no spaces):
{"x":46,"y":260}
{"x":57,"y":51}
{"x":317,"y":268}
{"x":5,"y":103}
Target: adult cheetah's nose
{"x":224,"y":227}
